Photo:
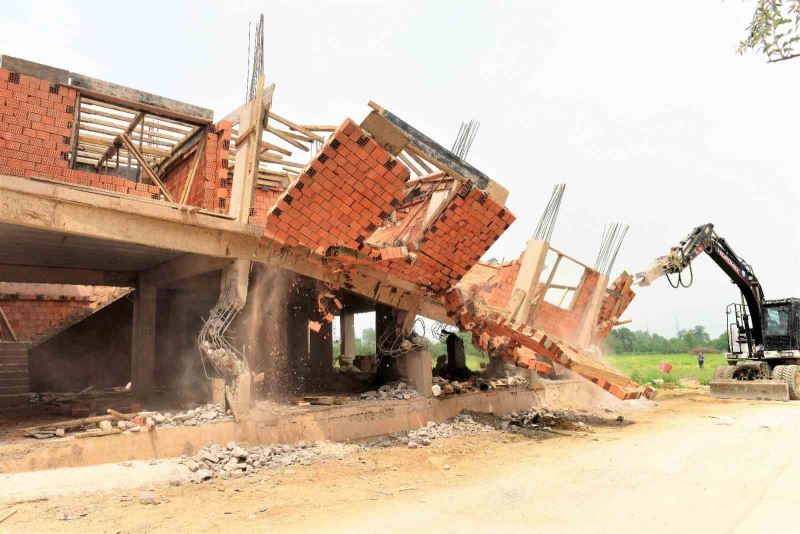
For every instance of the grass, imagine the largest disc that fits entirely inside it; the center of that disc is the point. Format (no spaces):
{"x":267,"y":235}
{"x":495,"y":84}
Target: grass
{"x":643,"y":368}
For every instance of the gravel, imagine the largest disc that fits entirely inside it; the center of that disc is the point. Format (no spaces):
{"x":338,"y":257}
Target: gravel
{"x":391,"y":391}
{"x":234,"y":460}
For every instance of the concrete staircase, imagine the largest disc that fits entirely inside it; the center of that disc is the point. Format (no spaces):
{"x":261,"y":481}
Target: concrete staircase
{"x":13,"y":373}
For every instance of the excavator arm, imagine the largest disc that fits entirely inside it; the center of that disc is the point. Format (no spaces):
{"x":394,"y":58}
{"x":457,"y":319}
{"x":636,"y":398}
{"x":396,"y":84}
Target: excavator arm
{"x":704,"y":239}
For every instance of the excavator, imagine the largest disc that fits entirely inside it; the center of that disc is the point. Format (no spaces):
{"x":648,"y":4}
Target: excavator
{"x":763,"y":335}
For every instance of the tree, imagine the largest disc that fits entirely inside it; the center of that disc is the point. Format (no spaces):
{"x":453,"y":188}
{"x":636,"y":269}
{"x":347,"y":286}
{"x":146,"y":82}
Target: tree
{"x":774,"y":30}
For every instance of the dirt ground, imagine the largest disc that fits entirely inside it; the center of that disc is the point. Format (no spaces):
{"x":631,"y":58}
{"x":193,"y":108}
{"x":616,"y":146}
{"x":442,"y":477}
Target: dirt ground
{"x":688,"y":463}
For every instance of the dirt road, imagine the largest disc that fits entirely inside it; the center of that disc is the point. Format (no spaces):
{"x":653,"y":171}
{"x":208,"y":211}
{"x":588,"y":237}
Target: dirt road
{"x":690,"y":464}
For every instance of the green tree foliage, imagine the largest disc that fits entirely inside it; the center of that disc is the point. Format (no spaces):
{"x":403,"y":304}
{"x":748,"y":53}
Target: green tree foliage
{"x":627,"y":341}
{"x":774,"y":30}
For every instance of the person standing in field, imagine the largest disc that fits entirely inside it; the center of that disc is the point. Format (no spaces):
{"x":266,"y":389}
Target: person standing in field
{"x":700,"y":360}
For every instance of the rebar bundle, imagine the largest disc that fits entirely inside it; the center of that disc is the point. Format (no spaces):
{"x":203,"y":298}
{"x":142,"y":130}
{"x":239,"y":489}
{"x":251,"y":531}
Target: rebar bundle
{"x":465,"y":137}
{"x":547,"y":222}
{"x":610,"y":243}
{"x":255,"y":63}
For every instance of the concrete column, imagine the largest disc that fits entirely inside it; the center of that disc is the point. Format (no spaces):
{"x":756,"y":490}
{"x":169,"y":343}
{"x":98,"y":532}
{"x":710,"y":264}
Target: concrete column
{"x":143,"y":348}
{"x":384,"y":320}
{"x":456,"y":355}
{"x":347,"y":326}
{"x":321,"y":356}
{"x":416,"y":367}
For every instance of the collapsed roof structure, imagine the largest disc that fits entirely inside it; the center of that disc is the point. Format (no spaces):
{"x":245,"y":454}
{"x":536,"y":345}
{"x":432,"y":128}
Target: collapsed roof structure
{"x":105,"y":185}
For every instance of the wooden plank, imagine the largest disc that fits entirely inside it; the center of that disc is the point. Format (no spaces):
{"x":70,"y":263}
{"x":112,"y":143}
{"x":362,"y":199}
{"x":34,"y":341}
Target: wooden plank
{"x":296,"y":127}
{"x":7,"y":326}
{"x":73,"y":144}
{"x":420,"y":162}
{"x":144,"y":165}
{"x":248,"y":152}
{"x":285,"y":136}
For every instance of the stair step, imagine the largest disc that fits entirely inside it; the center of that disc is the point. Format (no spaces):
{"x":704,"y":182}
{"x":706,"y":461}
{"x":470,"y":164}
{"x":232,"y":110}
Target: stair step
{"x":13,"y":367}
{"x":13,"y":382}
{"x":9,"y":390}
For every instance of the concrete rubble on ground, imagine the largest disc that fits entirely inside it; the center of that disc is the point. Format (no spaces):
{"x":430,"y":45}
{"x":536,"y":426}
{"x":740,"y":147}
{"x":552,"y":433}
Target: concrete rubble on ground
{"x":544,"y":419}
{"x":391,"y":391}
{"x":461,"y":425}
{"x":235,"y":461}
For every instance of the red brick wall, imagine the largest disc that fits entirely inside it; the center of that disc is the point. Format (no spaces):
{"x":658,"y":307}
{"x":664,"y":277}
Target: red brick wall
{"x":563,"y":323}
{"x":342,"y":196}
{"x":265,"y":199}
{"x":35,"y":135}
{"x":31,"y":317}
{"x":498,"y":293}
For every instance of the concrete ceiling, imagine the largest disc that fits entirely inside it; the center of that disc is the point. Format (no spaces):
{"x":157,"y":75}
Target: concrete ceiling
{"x":20,"y":245}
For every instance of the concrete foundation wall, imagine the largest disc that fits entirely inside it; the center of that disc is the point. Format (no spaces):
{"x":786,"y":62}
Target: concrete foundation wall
{"x":337,"y":423}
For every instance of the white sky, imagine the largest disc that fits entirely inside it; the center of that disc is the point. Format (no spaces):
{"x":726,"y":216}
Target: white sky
{"x":641,"y":107}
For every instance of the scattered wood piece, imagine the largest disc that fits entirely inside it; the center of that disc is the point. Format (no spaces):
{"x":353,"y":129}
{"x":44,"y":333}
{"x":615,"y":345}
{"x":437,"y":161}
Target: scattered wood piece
{"x":118,"y":415}
{"x":73,"y":423}
{"x":98,"y":433}
{"x":9,"y":514}
{"x":314,"y":326}
{"x":325,"y":400}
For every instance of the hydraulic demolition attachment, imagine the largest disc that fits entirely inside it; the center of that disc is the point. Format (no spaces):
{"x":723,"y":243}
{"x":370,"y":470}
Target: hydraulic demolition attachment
{"x":763,"y":335}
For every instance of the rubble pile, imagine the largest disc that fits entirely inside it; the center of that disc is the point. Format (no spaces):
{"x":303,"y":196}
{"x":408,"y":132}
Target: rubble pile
{"x":391,"y":391}
{"x":442,"y":386}
{"x":461,"y":425}
{"x":206,"y":413}
{"x":235,"y":461}
{"x":544,"y":419}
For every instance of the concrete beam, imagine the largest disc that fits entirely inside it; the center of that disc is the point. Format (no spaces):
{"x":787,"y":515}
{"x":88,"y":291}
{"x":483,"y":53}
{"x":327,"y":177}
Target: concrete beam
{"x":34,"y":274}
{"x":182,"y":267}
{"x":57,"y":208}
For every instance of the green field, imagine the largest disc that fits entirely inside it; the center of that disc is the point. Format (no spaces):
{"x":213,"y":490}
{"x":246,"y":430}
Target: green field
{"x":643,"y":368}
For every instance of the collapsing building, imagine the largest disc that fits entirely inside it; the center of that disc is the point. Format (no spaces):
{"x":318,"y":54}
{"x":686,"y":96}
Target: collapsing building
{"x":225,"y":250}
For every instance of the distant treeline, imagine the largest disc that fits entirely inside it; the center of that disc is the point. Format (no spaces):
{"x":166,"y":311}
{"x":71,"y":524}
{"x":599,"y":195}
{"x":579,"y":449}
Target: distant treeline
{"x":626,"y":341}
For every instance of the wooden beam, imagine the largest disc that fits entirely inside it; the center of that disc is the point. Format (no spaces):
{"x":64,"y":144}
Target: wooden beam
{"x":296,"y":127}
{"x":248,"y":151}
{"x":429,"y":147}
{"x":35,"y":274}
{"x":181,"y":150}
{"x":115,"y":146}
{"x":6,"y":324}
{"x":198,"y":155}
{"x":286,"y":137}
{"x":144,"y":165}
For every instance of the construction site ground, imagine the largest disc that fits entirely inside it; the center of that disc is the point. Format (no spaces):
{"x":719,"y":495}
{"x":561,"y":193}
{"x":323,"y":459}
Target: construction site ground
{"x":687,"y":462}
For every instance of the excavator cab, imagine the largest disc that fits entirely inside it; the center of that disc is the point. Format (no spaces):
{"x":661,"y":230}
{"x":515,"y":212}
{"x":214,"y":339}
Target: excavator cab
{"x":782,"y":329}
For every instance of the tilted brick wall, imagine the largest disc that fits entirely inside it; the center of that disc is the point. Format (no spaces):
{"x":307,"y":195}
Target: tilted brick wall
{"x":36,"y":121}
{"x":563,"y":323}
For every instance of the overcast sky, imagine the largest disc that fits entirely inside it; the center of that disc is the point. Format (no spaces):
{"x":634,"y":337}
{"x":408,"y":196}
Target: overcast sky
{"x":643,"y":108}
